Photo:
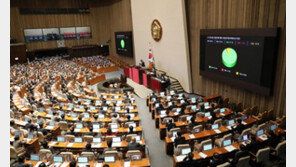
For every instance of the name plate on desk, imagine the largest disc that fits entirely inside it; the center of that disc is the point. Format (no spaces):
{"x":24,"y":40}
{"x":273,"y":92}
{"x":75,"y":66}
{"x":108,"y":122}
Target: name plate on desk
{"x":98,"y":145}
{"x":217,"y":131}
{"x":244,"y":123}
{"x":98,"y":165}
{"x":52,"y":143}
{"x":116,"y":144}
{"x":202,"y":155}
{"x":180,"y":158}
{"x":230,"y":148}
{"x":127,"y":164}
{"x":173,"y":138}
{"x":77,"y":130}
{"x":192,"y":136}
{"x":70,"y":145}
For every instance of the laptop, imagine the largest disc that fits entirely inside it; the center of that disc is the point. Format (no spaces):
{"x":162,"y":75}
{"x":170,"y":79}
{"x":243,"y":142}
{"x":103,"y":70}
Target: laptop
{"x":71,"y":106}
{"x":79,"y":126}
{"x":207,"y":147}
{"x":105,"y":108}
{"x":132,"y":115}
{"x":215,"y":126}
{"x":138,"y":138}
{"x":92,"y":108}
{"x":260,"y":132}
{"x":231,"y":122}
{"x":273,"y":127}
{"x":78,"y":140}
{"x":178,"y":109}
{"x":35,"y":157}
{"x":193,"y":100}
{"x":163,"y":112}
{"x":157,"y":105}
{"x":170,"y":103}
{"x":51,"y":123}
{"x":57,"y":160}
{"x":244,"y":117}
{"x":136,"y":157}
{"x":174,"y":133}
{"x":161,"y":93}
{"x":131,"y":107}
{"x":61,"y":139}
{"x":206,"y":104}
{"x":182,"y":101}
{"x":62,"y":104}
{"x":180,"y":95}
{"x":186,"y":151}
{"x":222,"y":110}
{"x":227,"y":142}
{"x":109,"y":159}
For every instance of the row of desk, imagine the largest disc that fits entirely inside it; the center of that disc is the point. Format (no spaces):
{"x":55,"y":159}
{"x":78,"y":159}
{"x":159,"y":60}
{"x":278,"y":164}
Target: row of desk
{"x":145,"y":77}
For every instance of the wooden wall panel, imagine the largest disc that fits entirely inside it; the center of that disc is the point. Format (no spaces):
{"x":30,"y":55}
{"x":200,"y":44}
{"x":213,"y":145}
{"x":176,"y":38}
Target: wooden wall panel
{"x":207,"y":14}
{"x":120,"y":20}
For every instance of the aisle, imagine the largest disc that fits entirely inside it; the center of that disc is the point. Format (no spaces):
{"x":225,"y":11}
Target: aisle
{"x":157,"y":154}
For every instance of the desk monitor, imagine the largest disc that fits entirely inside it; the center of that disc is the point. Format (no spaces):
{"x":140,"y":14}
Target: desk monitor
{"x":116,"y":139}
{"x":97,"y":140}
{"x":169,"y":98}
{"x":193,"y":100}
{"x":57,"y":159}
{"x":82,"y":160}
{"x":215,"y":126}
{"x":245,"y":137}
{"x":161,"y":93}
{"x":96,"y":126}
{"x":109,"y":159}
{"x":163,"y":112}
{"x":231,"y":122}
{"x":222,"y":110}
{"x":34,"y":157}
{"x":61,"y":139}
{"x":193,"y":107}
{"x":17,"y":133}
{"x":172,"y":92}
{"x":207,"y":147}
{"x":244,"y":117}
{"x":135,"y":157}
{"x":138,"y":138}
{"x":196,"y":130}
{"x":79,"y":126}
{"x":260,"y":132}
{"x":133,"y":125}
{"x":227,"y":142}
{"x":51,"y":123}
{"x":206,"y":104}
{"x":174,"y":133}
{"x":170,"y":103}
{"x":78,"y":140}
{"x":182,"y":101}
{"x":86,"y":115}
{"x":73,"y":115}
{"x":273,"y":127}
{"x":178,"y":109}
{"x":70,"y":105}
{"x":105,"y":108}
{"x":188,"y":118}
{"x":81,"y":107}
{"x":114,"y":126}
{"x":186,"y":151}
{"x":30,"y":136}
{"x":207,"y":114}
{"x":101,"y":116}
{"x":92,"y":108}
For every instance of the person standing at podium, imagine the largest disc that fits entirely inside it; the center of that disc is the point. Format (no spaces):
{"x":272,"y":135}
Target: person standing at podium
{"x":142,"y":63}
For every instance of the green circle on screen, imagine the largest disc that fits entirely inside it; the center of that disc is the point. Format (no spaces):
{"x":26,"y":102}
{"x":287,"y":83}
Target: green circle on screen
{"x":122,"y":43}
{"x":229,"y":57}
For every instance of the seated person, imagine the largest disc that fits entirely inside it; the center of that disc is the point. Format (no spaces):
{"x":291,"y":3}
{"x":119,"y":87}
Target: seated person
{"x":17,"y":144}
{"x":72,"y":164}
{"x":179,"y":139}
{"x":192,"y":123}
{"x":133,"y":145}
{"x":87,"y":148}
{"x":131,"y":130}
{"x":170,"y":125}
{"x":254,"y":145}
{"x":109,"y":148}
{"x":242,"y":152}
{"x":217,"y":160}
{"x":21,"y":162}
{"x":109,"y":133}
{"x":29,"y":125}
{"x":189,"y":162}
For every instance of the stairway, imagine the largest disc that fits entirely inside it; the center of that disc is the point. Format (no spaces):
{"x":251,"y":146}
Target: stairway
{"x":176,"y":86}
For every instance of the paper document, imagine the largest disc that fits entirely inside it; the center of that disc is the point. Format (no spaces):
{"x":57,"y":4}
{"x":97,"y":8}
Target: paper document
{"x":180,"y":158}
{"x":202,"y":155}
{"x":97,"y":145}
{"x":217,"y":131}
{"x":98,"y":165}
{"x":192,"y":136}
{"x":116,"y":144}
{"x":70,"y":145}
{"x":230,"y":148}
{"x":244,"y":123}
{"x":127,"y":164}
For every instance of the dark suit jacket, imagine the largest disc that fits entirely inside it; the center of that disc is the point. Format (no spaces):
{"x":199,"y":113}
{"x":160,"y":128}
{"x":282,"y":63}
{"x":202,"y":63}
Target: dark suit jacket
{"x":254,"y":146}
{"x":238,"y":155}
{"x":216,"y":162}
{"x":170,"y":126}
{"x":179,"y":140}
{"x":133,"y":146}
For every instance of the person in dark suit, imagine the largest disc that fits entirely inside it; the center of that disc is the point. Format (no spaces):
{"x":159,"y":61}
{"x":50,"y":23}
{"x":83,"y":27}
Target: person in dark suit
{"x":254,"y":145}
{"x":87,"y":148}
{"x":170,"y":125}
{"x":29,"y":125}
{"x":217,"y":160}
{"x":192,"y":123}
{"x":189,"y":162}
{"x":241,"y":153}
{"x":133,"y":145}
{"x":273,"y":139}
{"x":21,"y":162}
{"x":239,"y":127}
{"x":179,"y":139}
{"x":42,"y":130}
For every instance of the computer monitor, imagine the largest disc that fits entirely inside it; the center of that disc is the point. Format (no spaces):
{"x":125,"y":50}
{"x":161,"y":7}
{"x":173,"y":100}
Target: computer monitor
{"x":172,"y":92}
{"x":57,"y":159}
{"x":170,"y":103}
{"x":101,"y":116}
{"x":105,"y":108}
{"x":193,"y":108}
{"x":227,"y":142}
{"x":114,"y":126}
{"x":97,"y":140}
{"x":273,"y":127}
{"x":73,"y":115}
{"x":17,"y":133}
{"x":116,"y":139}
{"x":92,"y":108}
{"x":51,"y":123}
{"x":133,"y":125}
{"x":244,"y":117}
{"x":188,"y":118}
{"x":161,"y":93}
{"x":182,"y":101}
{"x":207,"y":114}
{"x":260,"y":132}
{"x":186,"y":151}
{"x":206,"y":104}
{"x":86,"y":115}
{"x":135,"y":157}
{"x":70,"y":105}
{"x":222,"y":110}
{"x":34,"y":157}
{"x":61,"y":139}
{"x":215,"y":126}
{"x":162,"y":112}
{"x":96,"y":126}
{"x":30,"y":136}
{"x":78,"y":140}
{"x":231,"y":122}
{"x":207,"y":147}
{"x":79,"y":126}
{"x":82,"y":160}
{"x":196,"y":130}
{"x":109,"y":159}
{"x":138,"y":138}
{"x":245,"y":137}
{"x":81,"y":107}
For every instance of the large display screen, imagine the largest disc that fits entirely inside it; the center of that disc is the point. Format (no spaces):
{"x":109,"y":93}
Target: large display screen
{"x":242,"y":57}
{"x":124,"y":43}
